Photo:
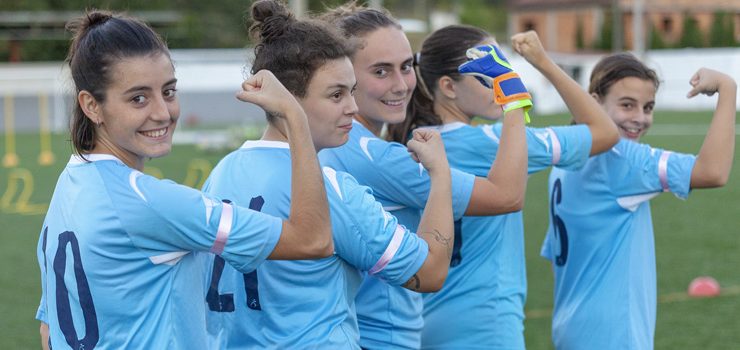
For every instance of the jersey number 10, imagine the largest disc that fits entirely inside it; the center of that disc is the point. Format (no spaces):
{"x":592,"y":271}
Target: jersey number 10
{"x":64,"y":310}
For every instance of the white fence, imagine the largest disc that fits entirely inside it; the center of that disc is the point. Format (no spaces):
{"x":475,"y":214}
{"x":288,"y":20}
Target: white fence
{"x":33,"y":94}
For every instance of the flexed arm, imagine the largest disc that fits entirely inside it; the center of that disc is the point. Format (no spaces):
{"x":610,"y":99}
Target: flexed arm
{"x":714,"y":161}
{"x":503,"y":190}
{"x":307,"y":231}
{"x":582,"y":106}
{"x":436,"y":226}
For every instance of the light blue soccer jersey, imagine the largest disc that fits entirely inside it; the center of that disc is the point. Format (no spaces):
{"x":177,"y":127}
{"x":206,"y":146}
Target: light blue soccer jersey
{"x":481,"y":305}
{"x":391,"y":316}
{"x":600,"y":243}
{"x":304,"y":304}
{"x":116,"y":257}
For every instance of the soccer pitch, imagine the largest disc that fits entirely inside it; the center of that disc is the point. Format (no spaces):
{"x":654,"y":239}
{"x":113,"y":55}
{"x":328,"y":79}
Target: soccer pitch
{"x":692,"y":238}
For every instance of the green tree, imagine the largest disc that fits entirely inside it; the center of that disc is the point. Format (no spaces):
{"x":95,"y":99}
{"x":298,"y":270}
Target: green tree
{"x":722,"y":32}
{"x":485,"y":14}
{"x":604,"y":42}
{"x":692,"y":35}
{"x":656,"y":40}
{"x":580,"y":40}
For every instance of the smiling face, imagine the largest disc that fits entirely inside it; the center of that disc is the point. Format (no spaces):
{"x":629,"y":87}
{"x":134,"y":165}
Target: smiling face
{"x":140,"y":111}
{"x":329,"y":104}
{"x":385,"y":76}
{"x":629,"y":102}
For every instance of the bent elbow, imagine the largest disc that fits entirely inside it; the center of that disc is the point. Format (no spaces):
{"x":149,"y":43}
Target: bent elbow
{"x":711,"y":179}
{"x":602,"y":141}
{"x":514,"y":204}
{"x":324,"y":246}
{"x":434,"y":285}
{"x":612,"y":139}
{"x":518,"y":203}
{"x":719,"y":180}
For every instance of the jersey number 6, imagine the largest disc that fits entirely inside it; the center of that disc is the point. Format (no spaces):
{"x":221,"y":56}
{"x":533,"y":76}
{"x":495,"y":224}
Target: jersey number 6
{"x":561,"y":234}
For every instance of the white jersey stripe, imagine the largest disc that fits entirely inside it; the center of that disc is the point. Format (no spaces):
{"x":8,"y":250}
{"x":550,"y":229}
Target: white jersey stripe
{"x":488,"y":130}
{"x":556,"y":151}
{"x":390,"y":251}
{"x":167,"y":258}
{"x":331,"y":175}
{"x":663,"y":170}
{"x":224,"y":229}
{"x":363,"y":144}
{"x":132,"y":181}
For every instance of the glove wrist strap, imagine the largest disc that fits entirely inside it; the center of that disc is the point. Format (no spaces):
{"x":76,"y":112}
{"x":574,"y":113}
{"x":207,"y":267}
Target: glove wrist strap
{"x":526,"y":104}
{"x":508,"y":87}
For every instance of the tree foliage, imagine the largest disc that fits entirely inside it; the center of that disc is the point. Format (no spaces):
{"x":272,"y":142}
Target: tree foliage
{"x":656,"y":40}
{"x":722,"y":32}
{"x":486,"y":14}
{"x":692,"y":35}
{"x":604,"y":42}
{"x":203,"y":24}
{"x":580,"y":39}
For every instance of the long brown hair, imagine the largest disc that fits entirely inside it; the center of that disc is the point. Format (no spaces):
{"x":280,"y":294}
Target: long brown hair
{"x":100,"y":39}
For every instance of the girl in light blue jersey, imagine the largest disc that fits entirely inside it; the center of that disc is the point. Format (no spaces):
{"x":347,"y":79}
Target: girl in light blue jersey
{"x":390,"y":317}
{"x":116,"y":248}
{"x":482,"y":304}
{"x":310,"y":304}
{"x":600,"y":238}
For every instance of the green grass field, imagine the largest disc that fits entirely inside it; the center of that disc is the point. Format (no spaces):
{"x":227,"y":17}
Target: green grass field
{"x":693,"y":238}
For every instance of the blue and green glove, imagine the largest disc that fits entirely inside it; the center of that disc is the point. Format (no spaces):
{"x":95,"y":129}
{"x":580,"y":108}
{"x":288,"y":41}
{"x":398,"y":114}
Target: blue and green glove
{"x":488,"y":64}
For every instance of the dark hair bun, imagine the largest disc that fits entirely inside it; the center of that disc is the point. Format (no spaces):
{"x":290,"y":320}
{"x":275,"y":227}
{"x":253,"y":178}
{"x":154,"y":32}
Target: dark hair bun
{"x":90,"y":20}
{"x":271,"y":20}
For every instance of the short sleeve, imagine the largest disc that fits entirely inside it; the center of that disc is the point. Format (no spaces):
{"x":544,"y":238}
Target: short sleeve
{"x":41,"y":311}
{"x":644,"y":169}
{"x":177,"y":218}
{"x":462,"y":189}
{"x":566,"y":147}
{"x":371,"y":238}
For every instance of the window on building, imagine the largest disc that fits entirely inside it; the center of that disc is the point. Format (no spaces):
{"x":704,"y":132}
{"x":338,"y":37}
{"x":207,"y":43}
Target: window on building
{"x":529,"y":25}
{"x":667,"y":24}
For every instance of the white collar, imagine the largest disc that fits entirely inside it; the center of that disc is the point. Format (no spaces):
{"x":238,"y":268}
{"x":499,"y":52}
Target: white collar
{"x":93,"y":157}
{"x":445,"y":127}
{"x":265,"y":144}
{"x":451,"y":126}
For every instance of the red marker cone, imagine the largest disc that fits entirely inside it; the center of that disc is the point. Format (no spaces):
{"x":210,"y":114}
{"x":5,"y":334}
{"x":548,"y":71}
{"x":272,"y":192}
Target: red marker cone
{"x":704,"y":286}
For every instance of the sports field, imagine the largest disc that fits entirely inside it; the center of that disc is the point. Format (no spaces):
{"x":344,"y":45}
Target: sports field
{"x":698,"y":237}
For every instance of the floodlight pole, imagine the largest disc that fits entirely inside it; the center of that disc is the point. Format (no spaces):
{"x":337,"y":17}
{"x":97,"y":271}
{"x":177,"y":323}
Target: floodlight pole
{"x":638,"y":32}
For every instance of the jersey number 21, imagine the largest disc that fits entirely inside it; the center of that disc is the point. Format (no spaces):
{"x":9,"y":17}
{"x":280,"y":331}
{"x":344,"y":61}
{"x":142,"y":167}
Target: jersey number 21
{"x":225,"y":302}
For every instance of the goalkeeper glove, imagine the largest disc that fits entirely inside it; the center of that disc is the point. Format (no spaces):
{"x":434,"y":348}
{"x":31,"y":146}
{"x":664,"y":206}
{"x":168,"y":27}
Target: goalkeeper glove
{"x":488,"y":64}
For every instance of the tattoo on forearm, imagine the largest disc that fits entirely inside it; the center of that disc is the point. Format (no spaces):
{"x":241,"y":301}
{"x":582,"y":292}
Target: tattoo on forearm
{"x":414,"y":283}
{"x":446,"y":241}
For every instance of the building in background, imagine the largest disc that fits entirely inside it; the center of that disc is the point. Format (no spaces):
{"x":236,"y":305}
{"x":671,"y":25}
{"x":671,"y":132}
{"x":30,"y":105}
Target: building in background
{"x":578,"y":25}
